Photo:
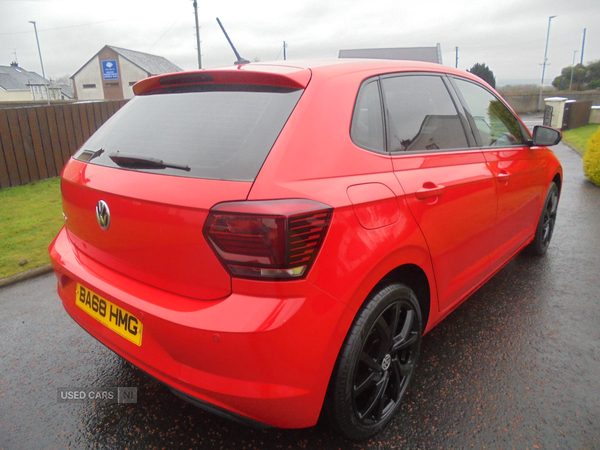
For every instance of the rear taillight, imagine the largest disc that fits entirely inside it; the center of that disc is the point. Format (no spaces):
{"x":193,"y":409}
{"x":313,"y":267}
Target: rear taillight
{"x":271,"y":239}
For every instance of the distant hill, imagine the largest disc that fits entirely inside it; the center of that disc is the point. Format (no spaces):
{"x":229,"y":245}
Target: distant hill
{"x":515,"y":82}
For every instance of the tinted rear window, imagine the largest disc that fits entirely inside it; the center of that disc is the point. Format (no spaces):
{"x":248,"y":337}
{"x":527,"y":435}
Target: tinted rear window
{"x":221,"y":133}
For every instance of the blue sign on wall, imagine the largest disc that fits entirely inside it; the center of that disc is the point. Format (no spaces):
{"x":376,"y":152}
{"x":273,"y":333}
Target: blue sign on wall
{"x":110,"y":70}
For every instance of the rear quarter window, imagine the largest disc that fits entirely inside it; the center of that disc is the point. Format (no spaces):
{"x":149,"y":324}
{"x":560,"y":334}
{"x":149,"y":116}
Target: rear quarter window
{"x":220,"y":132}
{"x":367,"y":120}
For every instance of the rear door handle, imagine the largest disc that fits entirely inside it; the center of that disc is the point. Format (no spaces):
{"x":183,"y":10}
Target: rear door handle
{"x":430,"y":189}
{"x":503,"y":176}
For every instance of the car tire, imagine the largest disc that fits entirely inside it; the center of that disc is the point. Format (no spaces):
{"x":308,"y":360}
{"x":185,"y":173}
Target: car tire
{"x":376,"y":362}
{"x":545,"y":227}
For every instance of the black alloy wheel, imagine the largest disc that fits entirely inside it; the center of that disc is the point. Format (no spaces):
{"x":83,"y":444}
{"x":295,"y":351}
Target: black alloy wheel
{"x":549,"y":217}
{"x":545,"y":227}
{"x":376,"y":363}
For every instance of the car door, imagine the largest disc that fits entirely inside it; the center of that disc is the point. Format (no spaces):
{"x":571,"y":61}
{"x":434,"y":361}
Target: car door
{"x":518,"y":169}
{"x":449,"y":186}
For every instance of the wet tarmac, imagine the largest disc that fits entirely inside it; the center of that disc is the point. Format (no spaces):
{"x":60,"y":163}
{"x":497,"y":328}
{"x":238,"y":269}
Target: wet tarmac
{"x":516,"y":366}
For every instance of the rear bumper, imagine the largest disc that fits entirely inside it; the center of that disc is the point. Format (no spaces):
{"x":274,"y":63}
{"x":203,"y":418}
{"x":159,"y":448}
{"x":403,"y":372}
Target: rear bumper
{"x":221,"y":412}
{"x":264,"y":353}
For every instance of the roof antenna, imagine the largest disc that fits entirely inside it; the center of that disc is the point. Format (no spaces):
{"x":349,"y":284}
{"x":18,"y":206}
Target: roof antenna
{"x":240,"y":60}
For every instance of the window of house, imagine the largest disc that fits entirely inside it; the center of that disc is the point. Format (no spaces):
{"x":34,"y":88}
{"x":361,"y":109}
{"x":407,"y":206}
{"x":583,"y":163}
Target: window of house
{"x":89,"y":86}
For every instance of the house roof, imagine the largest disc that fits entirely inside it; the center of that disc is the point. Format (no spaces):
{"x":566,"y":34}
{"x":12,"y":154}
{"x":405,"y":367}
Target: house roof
{"x":151,"y":64}
{"x":427,"y":54}
{"x":13,"y":78}
{"x":8,"y":83}
{"x":67,"y":90}
{"x":154,"y":65}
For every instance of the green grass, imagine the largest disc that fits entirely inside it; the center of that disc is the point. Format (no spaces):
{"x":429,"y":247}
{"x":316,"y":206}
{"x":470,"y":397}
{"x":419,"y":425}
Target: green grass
{"x":30,"y":217}
{"x":579,"y":137}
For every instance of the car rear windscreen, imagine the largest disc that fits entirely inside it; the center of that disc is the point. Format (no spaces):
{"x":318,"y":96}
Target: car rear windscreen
{"x":219,"y":132}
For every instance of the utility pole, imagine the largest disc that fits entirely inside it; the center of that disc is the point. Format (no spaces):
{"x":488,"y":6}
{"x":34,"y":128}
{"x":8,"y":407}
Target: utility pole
{"x":572,"y":69}
{"x":41,"y":62}
{"x":197,"y":34}
{"x":544,"y":64}
{"x":583,"y":46}
{"x":456,"y":66}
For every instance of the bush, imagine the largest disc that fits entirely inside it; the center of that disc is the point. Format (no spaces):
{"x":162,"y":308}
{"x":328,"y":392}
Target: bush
{"x":591,"y":159}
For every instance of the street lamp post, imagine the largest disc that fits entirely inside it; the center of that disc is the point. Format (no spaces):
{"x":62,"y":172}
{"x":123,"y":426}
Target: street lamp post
{"x":41,"y":62}
{"x":572,"y":69}
{"x":544,"y":64}
{"x":197,"y":34}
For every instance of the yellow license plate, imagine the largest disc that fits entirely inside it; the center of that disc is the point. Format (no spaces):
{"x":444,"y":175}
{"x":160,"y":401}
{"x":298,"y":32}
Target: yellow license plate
{"x":117,"y":319}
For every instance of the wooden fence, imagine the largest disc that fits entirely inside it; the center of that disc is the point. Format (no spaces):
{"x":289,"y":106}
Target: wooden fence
{"x":36,"y":142}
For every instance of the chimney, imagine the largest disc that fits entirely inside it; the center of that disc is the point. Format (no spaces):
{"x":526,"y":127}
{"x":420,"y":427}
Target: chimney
{"x":14,"y":64}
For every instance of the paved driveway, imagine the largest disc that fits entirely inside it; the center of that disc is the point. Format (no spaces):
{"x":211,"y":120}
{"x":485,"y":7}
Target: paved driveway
{"x":516,"y":366}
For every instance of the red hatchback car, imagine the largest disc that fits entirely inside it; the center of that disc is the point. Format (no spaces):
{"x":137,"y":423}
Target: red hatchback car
{"x":272,"y":241}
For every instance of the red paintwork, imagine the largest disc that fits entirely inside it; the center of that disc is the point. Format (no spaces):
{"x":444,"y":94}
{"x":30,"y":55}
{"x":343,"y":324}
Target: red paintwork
{"x":169,"y":253}
{"x":270,"y":76}
{"x":266,"y":349}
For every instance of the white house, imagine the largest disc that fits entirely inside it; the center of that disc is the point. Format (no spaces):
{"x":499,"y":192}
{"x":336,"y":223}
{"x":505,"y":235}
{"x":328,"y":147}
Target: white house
{"x":20,"y":85}
{"x":112,"y":72}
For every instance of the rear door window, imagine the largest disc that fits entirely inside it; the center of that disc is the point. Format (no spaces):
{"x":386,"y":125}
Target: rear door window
{"x":421,"y":114}
{"x":218,"y":132}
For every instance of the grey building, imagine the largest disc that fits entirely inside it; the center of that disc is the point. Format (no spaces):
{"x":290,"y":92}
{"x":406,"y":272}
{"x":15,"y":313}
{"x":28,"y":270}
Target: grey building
{"x":427,"y":54}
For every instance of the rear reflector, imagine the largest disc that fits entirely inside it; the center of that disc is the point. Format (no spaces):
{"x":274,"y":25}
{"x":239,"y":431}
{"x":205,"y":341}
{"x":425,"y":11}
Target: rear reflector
{"x":271,"y":239}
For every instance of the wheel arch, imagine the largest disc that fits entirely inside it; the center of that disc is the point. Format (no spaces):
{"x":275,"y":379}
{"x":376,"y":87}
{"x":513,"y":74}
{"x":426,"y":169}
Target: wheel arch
{"x":416,"y":279}
{"x":558,"y":180}
{"x":410,"y":274}
{"x":411,"y":265}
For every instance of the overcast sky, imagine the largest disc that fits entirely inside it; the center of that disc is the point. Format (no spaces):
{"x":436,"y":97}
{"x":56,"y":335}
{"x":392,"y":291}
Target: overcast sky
{"x":507,"y":35}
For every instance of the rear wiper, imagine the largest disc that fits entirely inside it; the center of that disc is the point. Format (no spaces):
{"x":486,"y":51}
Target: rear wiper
{"x":143,"y":162}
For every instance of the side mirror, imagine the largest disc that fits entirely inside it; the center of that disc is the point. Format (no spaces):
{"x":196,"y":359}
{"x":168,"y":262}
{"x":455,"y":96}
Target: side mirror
{"x":546,"y":136}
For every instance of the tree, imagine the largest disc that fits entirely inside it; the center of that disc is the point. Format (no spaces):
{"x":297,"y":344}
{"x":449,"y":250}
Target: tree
{"x":564,"y":81}
{"x":65,"y":79}
{"x":593,"y":75}
{"x":484,"y":72}
{"x":584,"y":77}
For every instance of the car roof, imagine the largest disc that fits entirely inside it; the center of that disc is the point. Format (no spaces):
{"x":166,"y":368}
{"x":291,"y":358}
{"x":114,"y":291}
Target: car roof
{"x":292,"y":74}
{"x":334,"y":67}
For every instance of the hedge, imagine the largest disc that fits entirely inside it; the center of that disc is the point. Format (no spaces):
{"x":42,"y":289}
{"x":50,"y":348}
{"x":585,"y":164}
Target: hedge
{"x":591,"y":159}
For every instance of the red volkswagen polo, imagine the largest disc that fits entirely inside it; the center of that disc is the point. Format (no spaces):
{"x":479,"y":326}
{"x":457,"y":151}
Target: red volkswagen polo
{"x":272,"y":241}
